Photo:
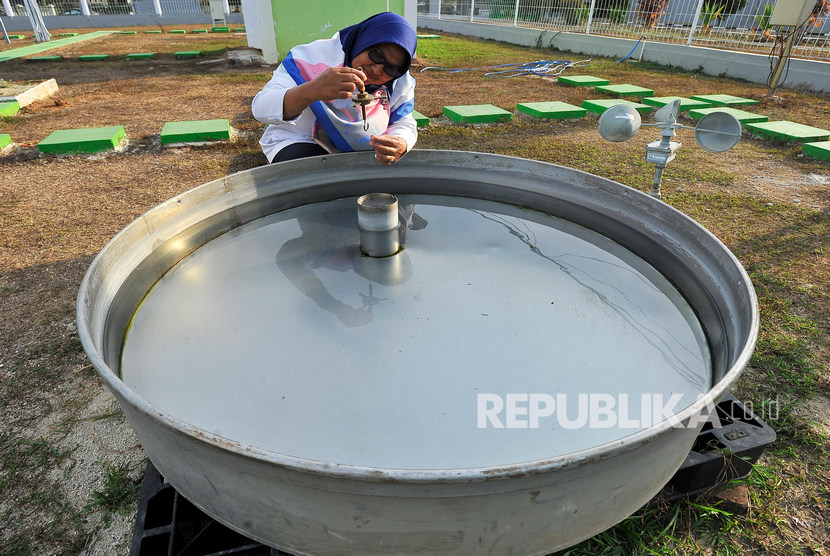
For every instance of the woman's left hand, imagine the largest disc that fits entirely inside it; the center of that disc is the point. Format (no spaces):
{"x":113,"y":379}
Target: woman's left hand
{"x":388,"y":148}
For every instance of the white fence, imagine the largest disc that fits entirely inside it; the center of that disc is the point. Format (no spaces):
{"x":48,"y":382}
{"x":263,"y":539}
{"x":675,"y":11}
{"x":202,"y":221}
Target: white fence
{"x":118,"y":7}
{"x":725,"y":24}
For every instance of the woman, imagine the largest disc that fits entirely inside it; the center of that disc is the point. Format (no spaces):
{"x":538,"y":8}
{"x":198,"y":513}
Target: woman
{"x":308,"y":101}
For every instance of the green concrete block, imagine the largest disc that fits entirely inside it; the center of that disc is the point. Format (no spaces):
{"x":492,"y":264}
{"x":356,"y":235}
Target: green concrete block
{"x":789,"y":132}
{"x":553,"y":110}
{"x":89,"y":140}
{"x":9,"y":108}
{"x":93,"y":57}
{"x":725,"y":100}
{"x":153,"y":32}
{"x":188,"y":53}
{"x":5,"y":140}
{"x":129,"y":32}
{"x":601,"y":105}
{"x":743,"y":116}
{"x":67,"y":34}
{"x":239,"y":30}
{"x":819,"y":150}
{"x":200,"y":130}
{"x":140,"y":55}
{"x":581,"y":80}
{"x":199,"y":31}
{"x":220,"y":29}
{"x":625,"y":90}
{"x":17,"y":37}
{"x":420,"y":37}
{"x":477,"y":114}
{"x":685,"y":103}
{"x":420,"y":119}
{"x":178,"y":32}
{"x":44,"y":58}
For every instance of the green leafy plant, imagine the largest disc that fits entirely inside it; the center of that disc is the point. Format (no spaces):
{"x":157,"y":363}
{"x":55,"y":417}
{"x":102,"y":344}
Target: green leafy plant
{"x":603,"y":8}
{"x":617,"y":15}
{"x":577,"y":14}
{"x":583,"y":13}
{"x":763,"y":20}
{"x":709,"y":13}
{"x":502,"y":9}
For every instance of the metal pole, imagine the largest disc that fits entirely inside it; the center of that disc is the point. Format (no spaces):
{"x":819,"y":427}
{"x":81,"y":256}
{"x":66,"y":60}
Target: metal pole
{"x":35,"y":17}
{"x":5,"y":34}
{"x":781,"y":64}
{"x":516,"y":15}
{"x":472,"y":9}
{"x":157,"y":6}
{"x":655,"y":186}
{"x":7,"y":5}
{"x":590,"y":17}
{"x":227,"y":8}
{"x":85,"y":8}
{"x":694,"y":22}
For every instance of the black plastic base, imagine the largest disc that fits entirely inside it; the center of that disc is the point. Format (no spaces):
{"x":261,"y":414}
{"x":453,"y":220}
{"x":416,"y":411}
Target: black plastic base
{"x":167,"y":524}
{"x":729,"y":443}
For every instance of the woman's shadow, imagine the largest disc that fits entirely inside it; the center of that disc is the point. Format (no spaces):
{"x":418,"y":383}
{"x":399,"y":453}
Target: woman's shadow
{"x":331,"y":240}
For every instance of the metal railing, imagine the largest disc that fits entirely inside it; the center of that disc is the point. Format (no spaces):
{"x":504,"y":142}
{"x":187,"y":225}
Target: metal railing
{"x":118,"y":7}
{"x":741,"y":25}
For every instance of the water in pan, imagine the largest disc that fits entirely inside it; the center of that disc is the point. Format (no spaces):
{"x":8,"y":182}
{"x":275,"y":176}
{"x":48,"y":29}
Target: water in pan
{"x":499,"y":335}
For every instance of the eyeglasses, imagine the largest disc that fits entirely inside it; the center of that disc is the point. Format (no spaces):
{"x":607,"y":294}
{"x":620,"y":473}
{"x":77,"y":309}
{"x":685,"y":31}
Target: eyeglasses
{"x":391,"y":70}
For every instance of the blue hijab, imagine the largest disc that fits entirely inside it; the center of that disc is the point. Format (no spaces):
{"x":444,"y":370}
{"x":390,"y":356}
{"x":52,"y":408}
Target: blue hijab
{"x":386,"y":27}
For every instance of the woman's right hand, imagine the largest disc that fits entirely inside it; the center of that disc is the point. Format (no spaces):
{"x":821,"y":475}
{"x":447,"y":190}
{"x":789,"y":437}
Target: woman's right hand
{"x":333,"y":83}
{"x":337,"y":83}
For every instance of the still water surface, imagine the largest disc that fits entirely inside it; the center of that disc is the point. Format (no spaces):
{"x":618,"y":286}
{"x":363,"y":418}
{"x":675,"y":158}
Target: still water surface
{"x":279,"y":334}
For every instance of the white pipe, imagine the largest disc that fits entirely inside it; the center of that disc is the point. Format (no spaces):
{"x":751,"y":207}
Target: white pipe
{"x":226,"y":7}
{"x":7,"y":5}
{"x":472,"y":9}
{"x":516,"y":15}
{"x":590,"y":17}
{"x":85,"y":8}
{"x":157,"y":6}
{"x":36,"y":18}
{"x":694,"y":22}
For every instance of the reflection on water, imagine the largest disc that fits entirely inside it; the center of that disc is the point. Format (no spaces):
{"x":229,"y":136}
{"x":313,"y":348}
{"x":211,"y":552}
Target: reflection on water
{"x":333,"y":243}
{"x":280,"y":334}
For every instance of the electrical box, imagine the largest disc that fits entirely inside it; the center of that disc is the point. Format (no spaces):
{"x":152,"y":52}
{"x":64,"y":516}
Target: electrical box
{"x":217,"y":13}
{"x":791,"y":13}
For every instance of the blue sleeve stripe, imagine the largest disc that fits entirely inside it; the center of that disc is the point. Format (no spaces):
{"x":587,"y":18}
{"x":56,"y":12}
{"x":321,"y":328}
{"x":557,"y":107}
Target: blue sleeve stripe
{"x":404,"y":109}
{"x":334,"y":135}
{"x":291,"y":67}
